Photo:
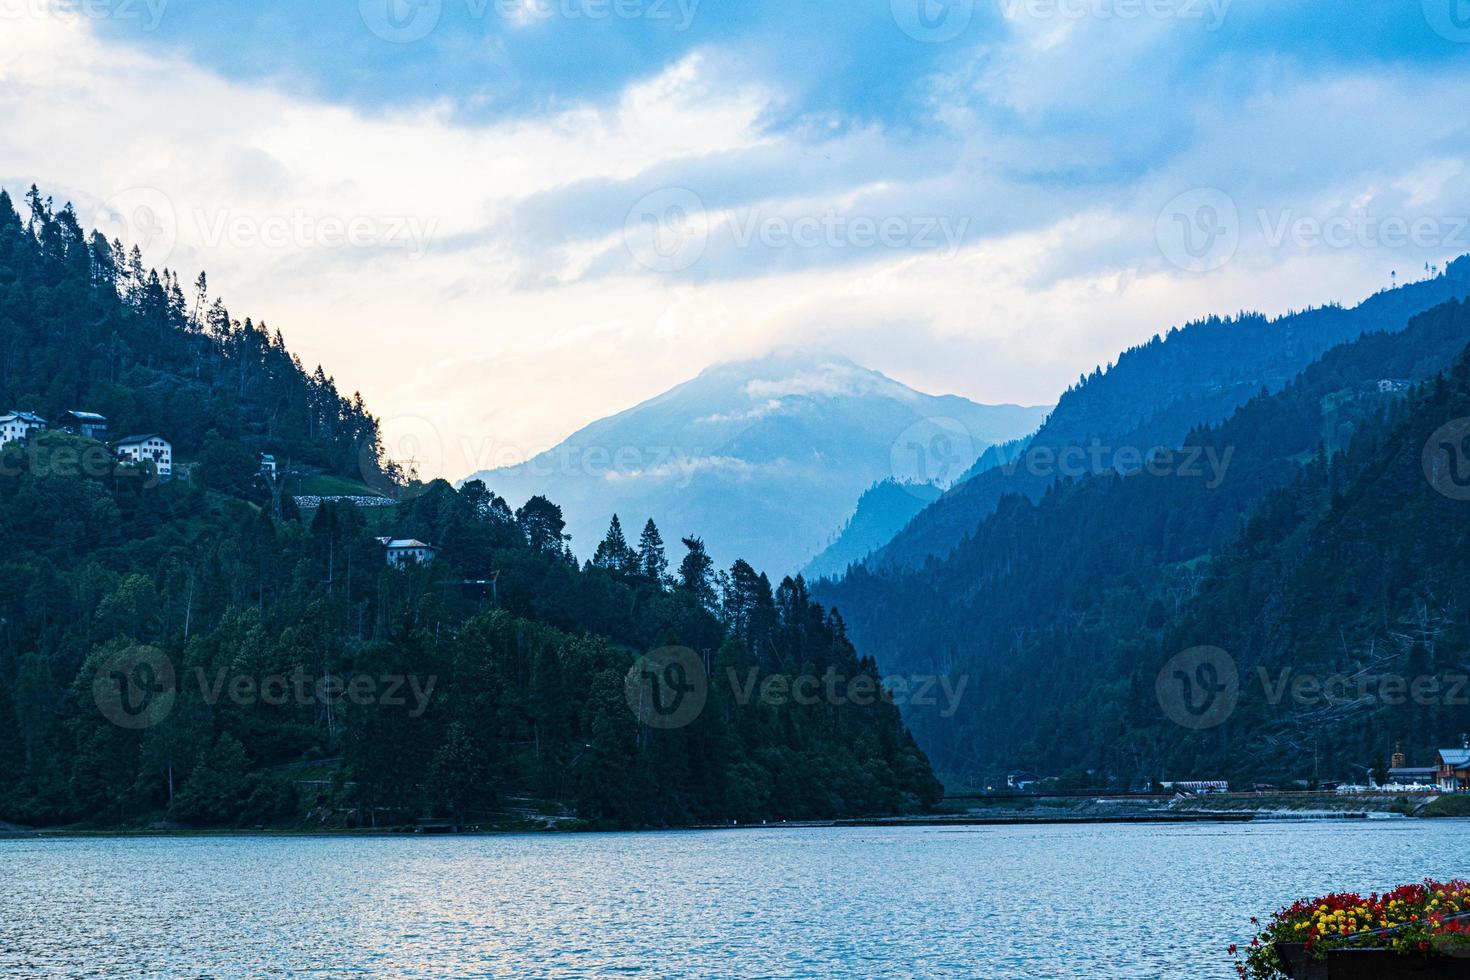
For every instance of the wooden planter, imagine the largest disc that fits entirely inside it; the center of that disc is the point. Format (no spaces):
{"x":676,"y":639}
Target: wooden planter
{"x":1370,"y":963}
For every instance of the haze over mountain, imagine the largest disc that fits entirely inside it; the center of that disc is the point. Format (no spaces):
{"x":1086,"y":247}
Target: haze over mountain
{"x":765,"y":459}
{"x":882,"y":511}
{"x":1153,"y":396}
{"x":1330,"y":540}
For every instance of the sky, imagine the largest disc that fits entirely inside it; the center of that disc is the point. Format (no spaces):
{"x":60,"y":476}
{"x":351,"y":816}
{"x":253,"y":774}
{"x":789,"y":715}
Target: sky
{"x":502,"y":219}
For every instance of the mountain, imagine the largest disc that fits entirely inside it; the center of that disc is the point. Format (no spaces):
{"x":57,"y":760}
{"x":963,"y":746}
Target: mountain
{"x":1155,"y":394}
{"x":882,"y":511}
{"x":763,"y":458}
{"x":173,"y":650}
{"x":1301,"y":535}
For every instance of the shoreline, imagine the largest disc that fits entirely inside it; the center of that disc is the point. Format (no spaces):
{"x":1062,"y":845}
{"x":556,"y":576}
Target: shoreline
{"x":1219,"y":817}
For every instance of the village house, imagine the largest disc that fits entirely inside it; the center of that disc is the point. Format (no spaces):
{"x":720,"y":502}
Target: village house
{"x":1022,"y":780}
{"x":1199,"y":787}
{"x":1454,"y":768}
{"x":89,"y":425}
{"x":17,"y":426}
{"x":151,"y":447}
{"x":402,"y":551}
{"x":267,"y":466}
{"x":1400,"y":773}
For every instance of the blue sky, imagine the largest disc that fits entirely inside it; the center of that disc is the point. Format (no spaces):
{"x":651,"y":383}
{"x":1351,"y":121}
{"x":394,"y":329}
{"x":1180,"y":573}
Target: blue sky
{"x":846,"y":60}
{"x":601,"y":197}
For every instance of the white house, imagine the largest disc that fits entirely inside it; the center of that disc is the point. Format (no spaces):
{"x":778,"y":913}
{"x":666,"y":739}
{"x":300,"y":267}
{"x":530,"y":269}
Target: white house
{"x":17,"y":426}
{"x":401,"y":551}
{"x":151,"y":447}
{"x":268,"y":465}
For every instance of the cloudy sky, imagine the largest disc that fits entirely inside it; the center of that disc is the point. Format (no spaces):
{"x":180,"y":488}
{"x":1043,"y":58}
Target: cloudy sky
{"x":502,"y":219}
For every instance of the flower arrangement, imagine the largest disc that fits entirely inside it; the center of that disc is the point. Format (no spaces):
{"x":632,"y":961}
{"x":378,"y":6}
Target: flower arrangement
{"x":1422,"y":920}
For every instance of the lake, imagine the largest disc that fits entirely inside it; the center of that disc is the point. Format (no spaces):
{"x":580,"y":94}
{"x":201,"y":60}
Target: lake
{"x":1034,"y":901}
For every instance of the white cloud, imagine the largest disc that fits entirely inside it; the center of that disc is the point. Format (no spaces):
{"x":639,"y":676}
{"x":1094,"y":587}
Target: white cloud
{"x":494,"y":340}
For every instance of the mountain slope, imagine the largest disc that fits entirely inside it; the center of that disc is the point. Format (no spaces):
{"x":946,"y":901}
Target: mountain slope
{"x":144,"y":623}
{"x":140,"y":352}
{"x":763,"y":458}
{"x":882,"y":511}
{"x":1156,"y":393}
{"x":1056,"y":604}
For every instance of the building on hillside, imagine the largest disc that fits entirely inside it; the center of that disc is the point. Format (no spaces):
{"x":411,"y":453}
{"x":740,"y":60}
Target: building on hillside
{"x":1453,"y":773}
{"x":403,"y":551}
{"x":1392,"y":386}
{"x":1400,"y":773}
{"x":18,"y":426}
{"x":267,"y":466}
{"x":89,"y":425}
{"x":150,"y":447}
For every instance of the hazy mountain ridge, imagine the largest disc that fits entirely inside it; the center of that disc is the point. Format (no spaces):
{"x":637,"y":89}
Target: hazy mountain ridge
{"x":764,"y":458}
{"x":882,"y":511}
{"x":1158,"y":391}
{"x":1068,"y":606}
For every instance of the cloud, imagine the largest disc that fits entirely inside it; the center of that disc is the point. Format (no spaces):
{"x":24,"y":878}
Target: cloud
{"x":485,"y":233}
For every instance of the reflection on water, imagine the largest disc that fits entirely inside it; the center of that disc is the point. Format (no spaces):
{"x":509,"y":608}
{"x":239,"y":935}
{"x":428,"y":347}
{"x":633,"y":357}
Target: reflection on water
{"x":1095,"y":901}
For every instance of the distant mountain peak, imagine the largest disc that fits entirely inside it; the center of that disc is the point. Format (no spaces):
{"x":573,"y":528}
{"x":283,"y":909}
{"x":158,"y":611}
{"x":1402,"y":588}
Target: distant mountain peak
{"x":764,"y":458}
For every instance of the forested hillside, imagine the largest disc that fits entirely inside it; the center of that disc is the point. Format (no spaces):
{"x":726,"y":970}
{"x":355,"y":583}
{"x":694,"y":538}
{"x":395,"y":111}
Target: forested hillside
{"x":173,"y":650}
{"x":1301,"y":534}
{"x":84,"y":326}
{"x":1156,"y":393}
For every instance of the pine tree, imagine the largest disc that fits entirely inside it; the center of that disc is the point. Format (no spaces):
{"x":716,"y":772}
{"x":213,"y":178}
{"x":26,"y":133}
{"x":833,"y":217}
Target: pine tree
{"x":696,"y":572}
{"x":653,"y":564}
{"x":613,"y":553}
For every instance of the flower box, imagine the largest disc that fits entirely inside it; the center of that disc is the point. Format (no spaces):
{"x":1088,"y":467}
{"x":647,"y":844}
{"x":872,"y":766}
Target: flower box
{"x":1370,"y":963}
{"x":1420,"y":930}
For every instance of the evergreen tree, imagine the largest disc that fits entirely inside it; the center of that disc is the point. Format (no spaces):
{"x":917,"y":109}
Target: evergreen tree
{"x":652,"y":563}
{"x":613,"y":552}
{"x":696,"y":572}
{"x":541,"y":522}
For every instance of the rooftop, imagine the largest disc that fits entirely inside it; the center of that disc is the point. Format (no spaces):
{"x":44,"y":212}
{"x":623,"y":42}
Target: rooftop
{"x":405,"y":543}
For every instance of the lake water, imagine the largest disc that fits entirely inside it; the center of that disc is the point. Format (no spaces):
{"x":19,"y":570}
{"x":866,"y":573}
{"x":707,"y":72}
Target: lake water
{"x":1038,"y":901}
